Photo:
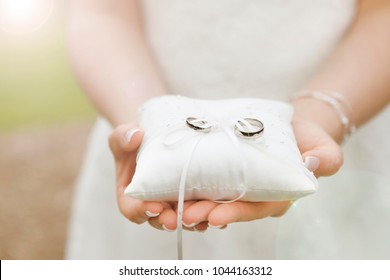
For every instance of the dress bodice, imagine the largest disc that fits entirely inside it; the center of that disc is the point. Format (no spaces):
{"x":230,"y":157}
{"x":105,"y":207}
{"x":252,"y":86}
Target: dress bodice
{"x":264,"y":48}
{"x":231,"y":48}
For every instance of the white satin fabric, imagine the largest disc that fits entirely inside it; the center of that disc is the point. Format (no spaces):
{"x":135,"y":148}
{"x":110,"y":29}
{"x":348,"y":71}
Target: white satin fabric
{"x":232,"y":48}
{"x":221,"y":165}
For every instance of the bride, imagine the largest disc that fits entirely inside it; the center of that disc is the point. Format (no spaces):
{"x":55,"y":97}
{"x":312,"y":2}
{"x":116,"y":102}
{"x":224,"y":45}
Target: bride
{"x":333,"y":53}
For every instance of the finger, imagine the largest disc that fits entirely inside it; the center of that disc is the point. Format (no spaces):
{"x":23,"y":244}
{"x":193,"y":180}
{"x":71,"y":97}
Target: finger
{"x":188,"y":203}
{"x":125,"y":139}
{"x":167,"y":219}
{"x":240,"y":211}
{"x":186,"y":225}
{"x":137,"y":210}
{"x":125,"y":170}
{"x":198,"y":212}
{"x":155,"y":223}
{"x":283,"y":210}
{"x":325,"y":159}
{"x":124,"y":143}
{"x":154,"y":220}
{"x":319,"y":151}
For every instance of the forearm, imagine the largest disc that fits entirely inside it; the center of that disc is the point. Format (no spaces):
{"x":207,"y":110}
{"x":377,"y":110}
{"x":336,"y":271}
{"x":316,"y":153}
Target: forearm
{"x":359,"y":68}
{"x":110,"y":57}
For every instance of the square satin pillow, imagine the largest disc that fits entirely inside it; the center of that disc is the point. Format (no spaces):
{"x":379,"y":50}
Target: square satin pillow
{"x":220,"y":150}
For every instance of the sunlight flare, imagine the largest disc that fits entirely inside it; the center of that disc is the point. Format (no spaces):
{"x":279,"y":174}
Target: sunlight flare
{"x":24,"y":16}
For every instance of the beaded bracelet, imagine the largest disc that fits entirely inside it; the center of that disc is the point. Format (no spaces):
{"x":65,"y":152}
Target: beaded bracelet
{"x":339,"y":104}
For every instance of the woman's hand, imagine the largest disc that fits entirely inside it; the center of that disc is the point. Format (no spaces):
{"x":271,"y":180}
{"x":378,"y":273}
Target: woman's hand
{"x":124,"y":143}
{"x":322,"y":155}
{"x":320,"y":152}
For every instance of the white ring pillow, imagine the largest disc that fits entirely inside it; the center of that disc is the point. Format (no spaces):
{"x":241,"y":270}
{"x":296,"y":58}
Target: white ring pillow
{"x":217,"y":164}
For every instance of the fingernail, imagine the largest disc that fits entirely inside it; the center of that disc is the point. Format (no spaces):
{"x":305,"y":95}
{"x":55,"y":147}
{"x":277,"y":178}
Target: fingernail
{"x":151,"y":215}
{"x":130,"y":134}
{"x":190,"y":225}
{"x":215,"y":227}
{"x":167,"y":229}
{"x":312,"y":163}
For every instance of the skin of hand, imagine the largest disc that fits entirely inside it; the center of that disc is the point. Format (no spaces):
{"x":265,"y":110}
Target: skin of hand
{"x":198,"y":215}
{"x":104,"y":32}
{"x":317,"y":135}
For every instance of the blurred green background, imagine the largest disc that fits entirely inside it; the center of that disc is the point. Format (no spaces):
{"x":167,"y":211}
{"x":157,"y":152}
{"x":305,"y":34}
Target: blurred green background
{"x":36,"y":84}
{"x":45,"y":120}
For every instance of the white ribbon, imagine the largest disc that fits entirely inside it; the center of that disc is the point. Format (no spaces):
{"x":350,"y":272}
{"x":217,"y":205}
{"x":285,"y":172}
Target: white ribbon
{"x":178,"y":135}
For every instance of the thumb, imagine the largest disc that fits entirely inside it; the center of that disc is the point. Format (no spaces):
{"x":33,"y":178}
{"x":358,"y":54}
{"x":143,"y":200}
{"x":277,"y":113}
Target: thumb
{"x":324,"y":159}
{"x":125,"y":139}
{"x":319,"y":150}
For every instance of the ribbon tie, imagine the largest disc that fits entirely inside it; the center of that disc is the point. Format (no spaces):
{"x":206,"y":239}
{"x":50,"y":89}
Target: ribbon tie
{"x":244,"y":128}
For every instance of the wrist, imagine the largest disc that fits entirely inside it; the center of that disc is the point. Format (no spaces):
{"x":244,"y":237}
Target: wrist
{"x":135,"y":93}
{"x":315,"y":111}
{"x":331,"y":110}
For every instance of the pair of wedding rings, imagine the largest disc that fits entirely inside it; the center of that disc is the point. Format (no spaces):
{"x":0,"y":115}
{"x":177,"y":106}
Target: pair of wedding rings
{"x":244,"y":128}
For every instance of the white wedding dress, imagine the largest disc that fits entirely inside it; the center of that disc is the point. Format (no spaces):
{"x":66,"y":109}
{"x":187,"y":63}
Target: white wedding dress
{"x":232,"y":48}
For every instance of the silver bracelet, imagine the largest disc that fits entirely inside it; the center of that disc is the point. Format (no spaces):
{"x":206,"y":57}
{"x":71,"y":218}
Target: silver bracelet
{"x":339,"y":104}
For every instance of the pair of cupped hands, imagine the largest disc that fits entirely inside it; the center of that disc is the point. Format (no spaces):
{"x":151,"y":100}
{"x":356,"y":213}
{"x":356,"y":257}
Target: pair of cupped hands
{"x":320,"y":152}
